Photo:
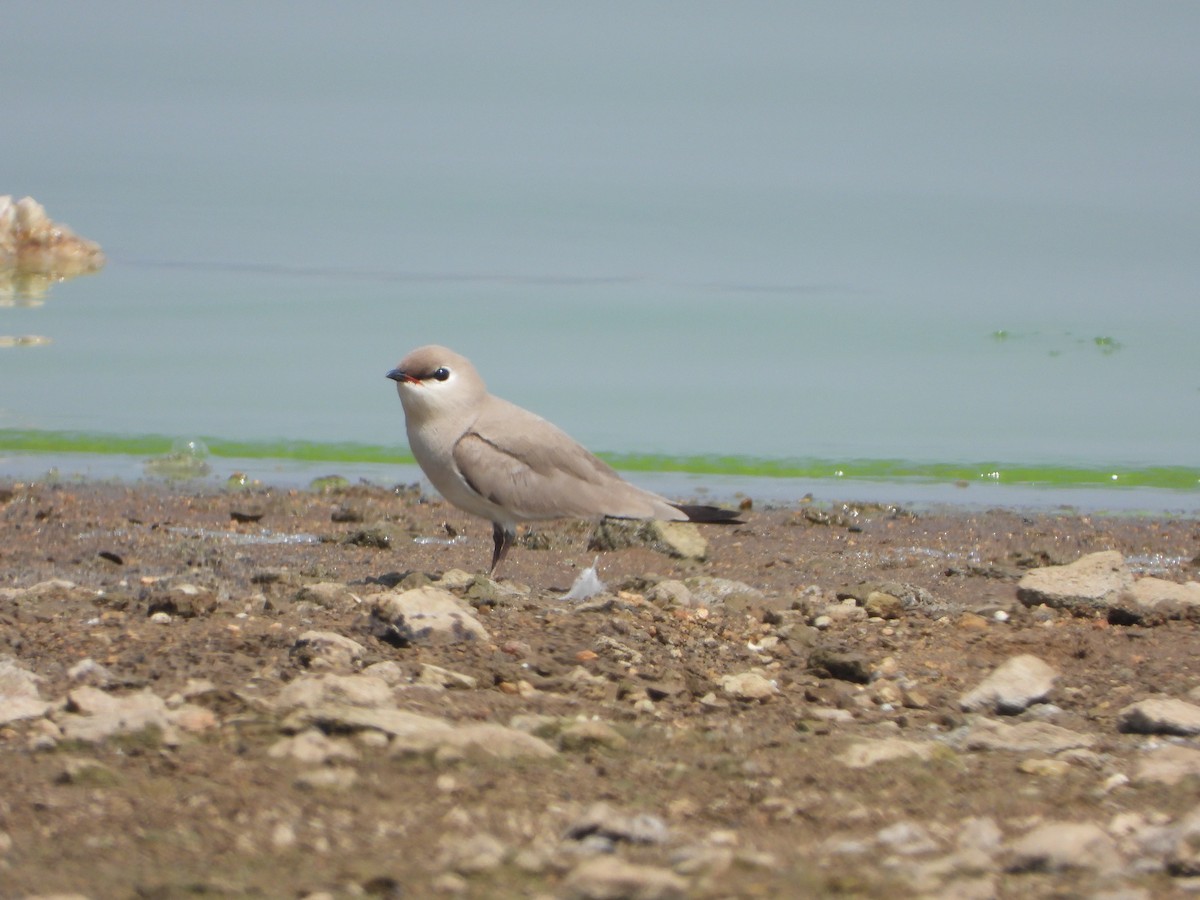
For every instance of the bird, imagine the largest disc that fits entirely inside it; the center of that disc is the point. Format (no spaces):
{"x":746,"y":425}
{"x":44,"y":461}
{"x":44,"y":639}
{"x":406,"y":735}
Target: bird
{"x":500,"y":462}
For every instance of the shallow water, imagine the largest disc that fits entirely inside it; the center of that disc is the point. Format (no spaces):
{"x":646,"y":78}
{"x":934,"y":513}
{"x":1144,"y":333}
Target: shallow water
{"x":937,"y":244}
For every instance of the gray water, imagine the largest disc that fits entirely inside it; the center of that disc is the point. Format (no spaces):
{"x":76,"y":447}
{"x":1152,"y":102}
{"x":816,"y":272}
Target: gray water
{"x":919,"y":231}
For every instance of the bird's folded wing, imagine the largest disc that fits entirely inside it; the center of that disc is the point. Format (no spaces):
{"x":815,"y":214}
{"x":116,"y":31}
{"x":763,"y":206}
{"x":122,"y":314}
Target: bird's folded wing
{"x":530,"y":467}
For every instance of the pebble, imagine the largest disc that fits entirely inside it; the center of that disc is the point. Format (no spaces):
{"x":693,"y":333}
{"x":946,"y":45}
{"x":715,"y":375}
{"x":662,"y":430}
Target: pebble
{"x":611,"y":878}
{"x":424,"y":615}
{"x":750,"y":685}
{"x":328,"y":778}
{"x":867,"y":753}
{"x":1064,"y":846}
{"x":614,"y":825}
{"x":312,"y":691}
{"x":579,"y":736}
{"x":1090,"y":584}
{"x":709,"y":591}
{"x":313,"y":747}
{"x":1160,"y":716}
{"x":19,"y":694}
{"x":1168,"y":764}
{"x":327,"y":595}
{"x":480,"y":852}
{"x":1023,"y":737}
{"x":1015,"y":685}
{"x":327,"y":650}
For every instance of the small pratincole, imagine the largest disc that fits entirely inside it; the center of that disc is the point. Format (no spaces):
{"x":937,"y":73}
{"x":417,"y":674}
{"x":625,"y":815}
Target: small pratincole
{"x":502,"y":463}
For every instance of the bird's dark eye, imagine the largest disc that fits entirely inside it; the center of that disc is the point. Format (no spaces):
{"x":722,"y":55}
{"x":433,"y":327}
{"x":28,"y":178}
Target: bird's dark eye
{"x":441,"y":374}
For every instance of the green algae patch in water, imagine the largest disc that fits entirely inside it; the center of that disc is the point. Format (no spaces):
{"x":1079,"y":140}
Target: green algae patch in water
{"x":164,"y":449}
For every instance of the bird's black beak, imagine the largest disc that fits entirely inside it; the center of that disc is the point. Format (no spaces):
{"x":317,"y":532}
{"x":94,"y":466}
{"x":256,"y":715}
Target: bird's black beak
{"x":400,"y":375}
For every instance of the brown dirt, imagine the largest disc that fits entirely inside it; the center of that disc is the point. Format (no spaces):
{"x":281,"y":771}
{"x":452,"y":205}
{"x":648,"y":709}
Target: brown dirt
{"x":204,"y":817}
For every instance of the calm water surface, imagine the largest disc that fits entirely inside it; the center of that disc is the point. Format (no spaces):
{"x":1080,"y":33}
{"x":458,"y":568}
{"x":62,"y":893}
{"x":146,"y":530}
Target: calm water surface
{"x":820,"y":239}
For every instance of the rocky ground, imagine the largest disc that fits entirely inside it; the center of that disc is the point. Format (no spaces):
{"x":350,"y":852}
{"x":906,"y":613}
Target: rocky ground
{"x":312,"y":694}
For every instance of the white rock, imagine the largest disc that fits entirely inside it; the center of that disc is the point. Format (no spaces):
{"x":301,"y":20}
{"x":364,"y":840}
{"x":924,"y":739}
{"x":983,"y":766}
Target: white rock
{"x":480,"y":852}
{"x":611,"y":878}
{"x":1151,"y":592}
{"x":1183,"y":858}
{"x":906,"y":839}
{"x":670,"y":593}
{"x":868,"y":753}
{"x":614,"y":825}
{"x":412,"y":733}
{"x":313,"y":747}
{"x":19,"y":695}
{"x":427,"y":614}
{"x":750,"y":685}
{"x":1160,"y":716}
{"x":1090,"y":584}
{"x":327,"y":650}
{"x":1013,"y":686}
{"x":328,"y":595}
{"x":1064,"y":846}
{"x":1168,"y":764}
{"x":93,"y":716}
{"x":709,"y":591}
{"x":318,"y":690}
{"x":1023,"y":737}
{"x":438,"y":677}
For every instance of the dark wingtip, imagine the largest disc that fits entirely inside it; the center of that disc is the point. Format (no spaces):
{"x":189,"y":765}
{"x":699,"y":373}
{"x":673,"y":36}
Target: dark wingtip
{"x":710,"y":515}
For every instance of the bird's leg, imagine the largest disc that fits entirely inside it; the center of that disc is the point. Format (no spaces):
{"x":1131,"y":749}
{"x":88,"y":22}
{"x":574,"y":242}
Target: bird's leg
{"x":503,"y":539}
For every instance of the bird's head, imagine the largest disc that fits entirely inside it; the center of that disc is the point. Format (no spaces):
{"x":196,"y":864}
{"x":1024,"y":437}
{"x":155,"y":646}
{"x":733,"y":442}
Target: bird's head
{"x":434,"y":381}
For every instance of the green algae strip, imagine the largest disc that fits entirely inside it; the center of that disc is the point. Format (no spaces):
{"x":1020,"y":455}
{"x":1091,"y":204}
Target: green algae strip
{"x":1164,"y":477}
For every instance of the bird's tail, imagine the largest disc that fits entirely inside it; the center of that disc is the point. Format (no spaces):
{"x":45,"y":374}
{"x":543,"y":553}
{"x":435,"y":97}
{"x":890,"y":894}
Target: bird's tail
{"x":712,"y":515}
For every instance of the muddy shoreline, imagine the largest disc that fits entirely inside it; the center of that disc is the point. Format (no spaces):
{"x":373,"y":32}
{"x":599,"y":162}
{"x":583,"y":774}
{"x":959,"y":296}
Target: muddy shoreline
{"x":697,"y":730}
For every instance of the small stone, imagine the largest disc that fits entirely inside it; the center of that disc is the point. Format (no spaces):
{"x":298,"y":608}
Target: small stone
{"x":868,"y":753}
{"x":87,"y":773}
{"x":669,"y":593}
{"x":1160,"y":716}
{"x":851,"y":667}
{"x":611,"y":878}
{"x":681,"y":540}
{"x":1044,"y":767}
{"x":1152,"y":592}
{"x":472,"y":855}
{"x":1089,"y":585}
{"x":884,"y":606}
{"x":425,"y":615}
{"x":906,"y":839}
{"x":180,"y":600}
{"x":750,"y":685}
{"x":327,"y":650}
{"x":1169,"y":765}
{"x":436,"y":676}
{"x":88,"y":671}
{"x":1064,"y":846}
{"x":708,"y":592}
{"x":327,"y":595}
{"x":19,"y":695}
{"x":330,"y":778}
{"x":314,"y":748}
{"x":1023,"y":737}
{"x":614,"y":825}
{"x":313,"y":691}
{"x":1013,"y":686}
{"x":579,"y":736}
{"x":94,"y":716}
{"x":1183,"y":859}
